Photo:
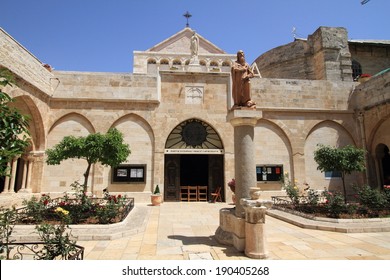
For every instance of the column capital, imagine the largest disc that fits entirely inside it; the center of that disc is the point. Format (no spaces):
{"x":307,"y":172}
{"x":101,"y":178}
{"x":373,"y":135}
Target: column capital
{"x":244,"y":117}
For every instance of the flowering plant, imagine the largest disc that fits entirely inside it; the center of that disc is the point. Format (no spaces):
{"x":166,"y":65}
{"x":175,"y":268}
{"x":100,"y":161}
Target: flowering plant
{"x":232,"y":185}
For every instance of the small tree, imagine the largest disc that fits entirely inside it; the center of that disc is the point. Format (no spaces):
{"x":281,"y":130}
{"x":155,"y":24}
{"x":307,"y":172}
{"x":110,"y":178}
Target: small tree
{"x":14,"y":133}
{"x":107,"y":149}
{"x":345,"y":160}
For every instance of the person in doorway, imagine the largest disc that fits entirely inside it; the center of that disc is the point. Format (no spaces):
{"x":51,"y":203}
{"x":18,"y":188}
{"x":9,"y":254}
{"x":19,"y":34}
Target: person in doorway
{"x":241,"y":75}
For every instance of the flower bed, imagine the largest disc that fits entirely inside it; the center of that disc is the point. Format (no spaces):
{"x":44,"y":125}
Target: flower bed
{"x":366,"y":203}
{"x":80,"y":209}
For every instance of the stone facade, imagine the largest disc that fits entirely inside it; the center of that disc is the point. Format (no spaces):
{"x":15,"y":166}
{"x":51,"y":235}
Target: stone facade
{"x":306,"y":97}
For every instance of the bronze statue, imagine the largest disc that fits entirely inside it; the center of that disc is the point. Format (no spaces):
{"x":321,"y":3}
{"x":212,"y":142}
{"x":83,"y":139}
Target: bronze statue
{"x":241,"y":73}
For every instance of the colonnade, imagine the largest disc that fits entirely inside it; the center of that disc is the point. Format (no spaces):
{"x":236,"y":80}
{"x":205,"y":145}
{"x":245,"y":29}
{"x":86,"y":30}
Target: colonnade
{"x":20,"y":175}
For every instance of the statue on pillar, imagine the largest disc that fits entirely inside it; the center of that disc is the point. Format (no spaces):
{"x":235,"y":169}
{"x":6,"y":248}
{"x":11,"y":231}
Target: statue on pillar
{"x":241,"y":75}
{"x":194,"y":48}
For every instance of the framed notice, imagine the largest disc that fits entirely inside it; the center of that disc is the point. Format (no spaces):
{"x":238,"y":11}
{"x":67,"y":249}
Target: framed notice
{"x":129,"y":173}
{"x":269,"y":173}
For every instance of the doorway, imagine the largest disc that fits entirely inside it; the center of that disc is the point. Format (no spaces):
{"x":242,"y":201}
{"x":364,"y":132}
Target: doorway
{"x":192,"y":170}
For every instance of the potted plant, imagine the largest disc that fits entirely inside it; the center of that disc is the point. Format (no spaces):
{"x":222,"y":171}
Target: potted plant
{"x":232,"y":186}
{"x":156,"y":197}
{"x":364,"y":78}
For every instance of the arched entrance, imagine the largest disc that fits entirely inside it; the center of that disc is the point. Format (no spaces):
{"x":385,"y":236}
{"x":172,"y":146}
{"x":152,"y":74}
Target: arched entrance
{"x":383,"y":162}
{"x":194,"y":157}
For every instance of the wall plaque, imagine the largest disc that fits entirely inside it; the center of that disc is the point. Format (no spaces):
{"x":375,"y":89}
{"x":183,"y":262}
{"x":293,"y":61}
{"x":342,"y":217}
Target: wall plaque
{"x":194,"y":95}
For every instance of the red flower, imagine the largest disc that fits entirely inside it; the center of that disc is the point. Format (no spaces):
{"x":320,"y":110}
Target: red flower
{"x":45,"y":202}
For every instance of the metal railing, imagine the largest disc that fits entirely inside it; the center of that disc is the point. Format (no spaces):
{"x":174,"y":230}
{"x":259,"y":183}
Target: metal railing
{"x":36,"y":251}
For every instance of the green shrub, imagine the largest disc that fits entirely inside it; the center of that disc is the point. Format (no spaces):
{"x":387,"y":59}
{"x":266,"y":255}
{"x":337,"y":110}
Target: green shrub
{"x":291,"y":189}
{"x":37,"y":209}
{"x":57,"y":242}
{"x":371,"y":198}
{"x":7,"y":222}
{"x":334,"y":203}
{"x":107,"y":212}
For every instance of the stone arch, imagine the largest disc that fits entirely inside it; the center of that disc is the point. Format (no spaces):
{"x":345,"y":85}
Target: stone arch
{"x":194,"y":156}
{"x":58,"y":178}
{"x":382,"y":164}
{"x":207,"y":136}
{"x":226,"y":63}
{"x":328,"y":133}
{"x":151,"y":61}
{"x":164,"y":61}
{"x":138,"y":133}
{"x":273,"y":146}
{"x":176,"y":61}
{"x":76,"y":117}
{"x":37,"y":131}
{"x":377,"y":142}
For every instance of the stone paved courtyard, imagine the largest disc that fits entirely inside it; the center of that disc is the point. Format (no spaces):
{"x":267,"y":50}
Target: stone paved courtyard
{"x":184,"y":231}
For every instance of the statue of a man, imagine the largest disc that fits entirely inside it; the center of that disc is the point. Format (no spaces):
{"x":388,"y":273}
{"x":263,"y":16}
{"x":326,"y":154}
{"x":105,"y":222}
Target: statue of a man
{"x":241,"y":73}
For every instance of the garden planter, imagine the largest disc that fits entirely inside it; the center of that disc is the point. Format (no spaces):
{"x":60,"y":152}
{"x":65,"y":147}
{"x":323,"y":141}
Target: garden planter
{"x":156,"y":199}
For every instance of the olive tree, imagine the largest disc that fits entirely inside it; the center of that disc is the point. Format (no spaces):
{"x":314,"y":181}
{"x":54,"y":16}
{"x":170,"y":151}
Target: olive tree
{"x":14,"y":133}
{"x":345,"y":160}
{"x":107,"y":149}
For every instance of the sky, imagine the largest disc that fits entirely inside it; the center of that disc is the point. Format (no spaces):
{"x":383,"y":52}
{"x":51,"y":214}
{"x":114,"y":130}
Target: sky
{"x":100,"y":36}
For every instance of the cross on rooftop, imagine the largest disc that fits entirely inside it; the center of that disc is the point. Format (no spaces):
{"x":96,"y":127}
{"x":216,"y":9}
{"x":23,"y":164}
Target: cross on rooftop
{"x":187,"y":15}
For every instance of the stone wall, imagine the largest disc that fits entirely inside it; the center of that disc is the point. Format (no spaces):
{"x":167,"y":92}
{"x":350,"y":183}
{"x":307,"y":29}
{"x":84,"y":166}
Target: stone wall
{"x":105,"y":86}
{"x":323,"y":56}
{"x":301,"y":94}
{"x":371,"y":100}
{"x":21,"y":62}
{"x":373,"y":57}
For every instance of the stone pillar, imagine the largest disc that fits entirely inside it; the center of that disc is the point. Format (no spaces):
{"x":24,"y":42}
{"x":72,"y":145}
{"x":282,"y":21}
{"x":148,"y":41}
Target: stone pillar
{"x":13,"y":175}
{"x":232,"y":228}
{"x":244,"y":122}
{"x":26,"y":175}
{"x":6,"y":183}
{"x":255,"y":235}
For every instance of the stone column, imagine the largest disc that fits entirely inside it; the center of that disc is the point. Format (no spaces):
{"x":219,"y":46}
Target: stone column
{"x":255,"y":235}
{"x":26,"y":175}
{"x":244,"y":122}
{"x":6,"y":183}
{"x":13,"y":175}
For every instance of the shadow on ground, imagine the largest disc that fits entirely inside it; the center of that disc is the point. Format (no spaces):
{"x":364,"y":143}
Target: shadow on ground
{"x":210,"y":241}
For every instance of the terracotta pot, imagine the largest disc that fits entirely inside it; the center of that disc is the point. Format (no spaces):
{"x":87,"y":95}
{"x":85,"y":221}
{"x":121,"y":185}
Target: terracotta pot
{"x":156,"y":199}
{"x":364,"y":79}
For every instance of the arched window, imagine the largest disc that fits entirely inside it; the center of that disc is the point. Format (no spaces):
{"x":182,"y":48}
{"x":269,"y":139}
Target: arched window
{"x":202,"y":62}
{"x":356,"y":69}
{"x":164,"y":61}
{"x":193,"y":134}
{"x":226,"y":63}
{"x":177,"y":62}
{"x":214,"y":63}
{"x":151,"y":61}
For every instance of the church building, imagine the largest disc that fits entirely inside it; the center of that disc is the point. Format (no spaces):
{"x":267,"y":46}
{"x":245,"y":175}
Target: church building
{"x":173,"y":108}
